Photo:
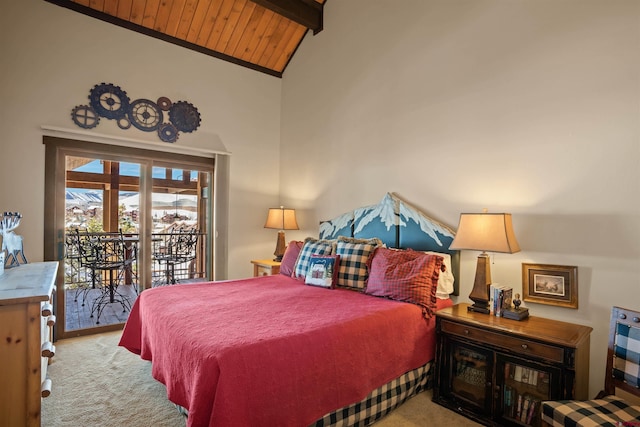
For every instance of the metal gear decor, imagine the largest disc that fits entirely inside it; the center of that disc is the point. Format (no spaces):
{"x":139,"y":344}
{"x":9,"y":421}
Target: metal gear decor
{"x":184,"y":116}
{"x":145,"y":115}
{"x":111,"y":102}
{"x":124,"y":123}
{"x":164,"y":103}
{"x":168,"y":132}
{"x":85,"y":117}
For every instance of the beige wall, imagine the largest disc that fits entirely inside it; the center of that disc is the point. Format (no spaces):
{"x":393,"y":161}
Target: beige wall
{"x":528,"y":106}
{"x":52,"y":57}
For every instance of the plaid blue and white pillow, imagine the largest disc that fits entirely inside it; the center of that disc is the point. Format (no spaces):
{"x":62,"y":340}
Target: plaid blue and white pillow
{"x":354,"y":256}
{"x":311,"y":247}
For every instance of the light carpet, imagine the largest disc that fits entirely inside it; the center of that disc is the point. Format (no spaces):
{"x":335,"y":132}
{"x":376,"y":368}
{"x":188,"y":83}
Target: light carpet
{"x":97,"y":383}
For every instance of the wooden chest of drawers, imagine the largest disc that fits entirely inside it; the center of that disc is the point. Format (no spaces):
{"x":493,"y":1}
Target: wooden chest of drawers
{"x":26,"y":321}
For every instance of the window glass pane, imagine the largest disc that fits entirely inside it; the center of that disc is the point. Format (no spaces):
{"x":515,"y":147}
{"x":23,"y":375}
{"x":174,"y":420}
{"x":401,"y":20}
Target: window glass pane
{"x":470,"y":374}
{"x":129,"y":169}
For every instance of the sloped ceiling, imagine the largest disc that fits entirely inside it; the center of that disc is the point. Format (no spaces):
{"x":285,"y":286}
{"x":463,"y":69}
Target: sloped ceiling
{"x":259,"y":34}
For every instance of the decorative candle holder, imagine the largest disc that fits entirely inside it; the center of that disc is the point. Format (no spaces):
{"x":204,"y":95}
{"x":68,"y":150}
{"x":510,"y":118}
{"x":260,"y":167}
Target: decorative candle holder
{"x":11,"y":242}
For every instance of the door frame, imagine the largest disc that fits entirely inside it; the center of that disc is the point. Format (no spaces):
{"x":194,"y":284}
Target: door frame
{"x":56,"y":150}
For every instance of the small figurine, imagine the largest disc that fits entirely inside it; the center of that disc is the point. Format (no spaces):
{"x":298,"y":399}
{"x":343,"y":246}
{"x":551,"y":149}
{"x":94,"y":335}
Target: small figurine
{"x":517,"y":302}
{"x":516,"y":313}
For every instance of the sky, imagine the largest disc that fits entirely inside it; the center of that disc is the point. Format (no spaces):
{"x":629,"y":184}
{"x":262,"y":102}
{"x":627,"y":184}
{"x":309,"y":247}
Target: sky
{"x":128,"y":169}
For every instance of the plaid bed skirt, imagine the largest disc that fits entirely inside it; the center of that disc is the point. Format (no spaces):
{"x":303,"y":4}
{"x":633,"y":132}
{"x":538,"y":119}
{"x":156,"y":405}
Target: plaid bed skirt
{"x":381,"y":401}
{"x":377,"y":404}
{"x":610,"y":411}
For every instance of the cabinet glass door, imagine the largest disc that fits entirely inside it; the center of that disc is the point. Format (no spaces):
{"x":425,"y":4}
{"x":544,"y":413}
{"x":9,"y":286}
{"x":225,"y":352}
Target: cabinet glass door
{"x":524,"y":385}
{"x":470,"y":376}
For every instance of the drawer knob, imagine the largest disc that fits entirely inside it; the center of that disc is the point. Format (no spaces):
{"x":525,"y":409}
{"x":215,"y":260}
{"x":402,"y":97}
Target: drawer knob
{"x":51,"y":320}
{"x":636,"y":319}
{"x":524,"y":346}
{"x":45,"y":388}
{"x":466,"y":332}
{"x":48,"y":349}
{"x":47,"y":309}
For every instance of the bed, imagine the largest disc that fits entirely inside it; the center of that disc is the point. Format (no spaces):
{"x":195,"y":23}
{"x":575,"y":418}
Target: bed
{"x":277,"y":351}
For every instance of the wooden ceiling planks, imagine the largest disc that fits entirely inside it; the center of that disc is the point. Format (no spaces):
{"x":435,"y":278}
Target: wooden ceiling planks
{"x":259,"y":34}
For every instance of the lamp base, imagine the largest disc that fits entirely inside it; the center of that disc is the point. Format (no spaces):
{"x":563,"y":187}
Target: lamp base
{"x":479,"y":309}
{"x":480,"y":292}
{"x":280,"y":247}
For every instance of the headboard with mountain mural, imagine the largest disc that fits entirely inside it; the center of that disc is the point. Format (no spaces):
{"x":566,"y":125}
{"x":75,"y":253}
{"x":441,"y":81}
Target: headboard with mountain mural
{"x":399,"y":225}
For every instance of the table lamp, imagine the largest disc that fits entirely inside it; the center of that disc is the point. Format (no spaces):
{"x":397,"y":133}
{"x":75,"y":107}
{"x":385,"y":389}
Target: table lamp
{"x":281,"y":219}
{"x":492,"y":232}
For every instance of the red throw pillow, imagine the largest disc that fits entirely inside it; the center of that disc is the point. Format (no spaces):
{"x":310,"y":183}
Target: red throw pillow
{"x":289,"y":258}
{"x":405,"y":275}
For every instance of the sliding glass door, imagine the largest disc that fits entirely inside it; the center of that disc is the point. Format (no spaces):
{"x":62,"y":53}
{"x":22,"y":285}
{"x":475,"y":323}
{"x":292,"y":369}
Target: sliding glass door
{"x":124,"y":220}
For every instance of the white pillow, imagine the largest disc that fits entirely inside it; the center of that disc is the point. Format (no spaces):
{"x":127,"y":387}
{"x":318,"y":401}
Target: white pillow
{"x":446,"y":279}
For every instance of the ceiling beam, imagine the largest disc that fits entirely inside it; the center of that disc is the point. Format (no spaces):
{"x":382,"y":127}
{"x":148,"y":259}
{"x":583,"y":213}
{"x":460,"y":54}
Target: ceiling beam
{"x":304,"y":12}
{"x":86,"y":10}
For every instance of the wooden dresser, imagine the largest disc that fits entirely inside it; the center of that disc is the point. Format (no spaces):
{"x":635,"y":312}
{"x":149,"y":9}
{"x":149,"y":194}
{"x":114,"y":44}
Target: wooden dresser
{"x":26,"y":320}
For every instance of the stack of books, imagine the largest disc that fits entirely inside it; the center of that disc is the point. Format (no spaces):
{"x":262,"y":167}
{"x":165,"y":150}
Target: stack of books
{"x":501,"y":298}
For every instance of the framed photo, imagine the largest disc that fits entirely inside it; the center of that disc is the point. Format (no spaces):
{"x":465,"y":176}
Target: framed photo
{"x":550,"y":284}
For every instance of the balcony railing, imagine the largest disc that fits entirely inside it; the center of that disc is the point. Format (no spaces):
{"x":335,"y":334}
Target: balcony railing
{"x":165,"y":270}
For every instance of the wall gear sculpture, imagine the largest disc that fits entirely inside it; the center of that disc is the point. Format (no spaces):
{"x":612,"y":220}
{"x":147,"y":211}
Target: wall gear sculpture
{"x":109,"y":101}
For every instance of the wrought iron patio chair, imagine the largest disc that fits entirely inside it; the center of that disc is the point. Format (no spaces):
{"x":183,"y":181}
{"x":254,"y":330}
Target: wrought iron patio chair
{"x":180,"y":249}
{"x":104,"y":254}
{"x":76,"y":273}
{"x":619,"y":403}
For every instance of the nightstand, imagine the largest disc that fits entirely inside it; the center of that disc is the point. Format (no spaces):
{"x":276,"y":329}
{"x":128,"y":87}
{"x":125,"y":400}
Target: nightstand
{"x":265,"y":267}
{"x":498,"y":371}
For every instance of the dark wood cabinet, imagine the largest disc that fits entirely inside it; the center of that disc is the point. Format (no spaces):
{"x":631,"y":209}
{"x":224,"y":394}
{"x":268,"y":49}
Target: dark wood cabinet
{"x":497,"y":371}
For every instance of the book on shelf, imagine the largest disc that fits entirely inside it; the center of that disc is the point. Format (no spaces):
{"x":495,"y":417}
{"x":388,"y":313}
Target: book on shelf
{"x":532,"y":410}
{"x":509,"y":401}
{"x":518,"y":407}
{"x":526,"y":402}
{"x":492,"y":297}
{"x":517,"y":374}
{"x":508,"y":391}
{"x":507,"y":297}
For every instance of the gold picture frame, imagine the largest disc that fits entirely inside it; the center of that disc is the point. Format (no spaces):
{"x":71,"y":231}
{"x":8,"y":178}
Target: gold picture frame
{"x":550,"y":284}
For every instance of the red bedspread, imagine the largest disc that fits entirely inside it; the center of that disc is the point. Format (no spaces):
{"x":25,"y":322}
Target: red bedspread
{"x":272,"y":351}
